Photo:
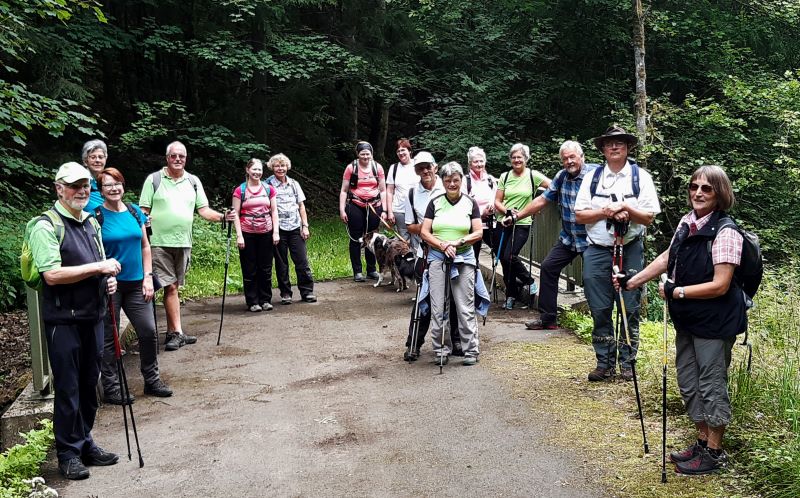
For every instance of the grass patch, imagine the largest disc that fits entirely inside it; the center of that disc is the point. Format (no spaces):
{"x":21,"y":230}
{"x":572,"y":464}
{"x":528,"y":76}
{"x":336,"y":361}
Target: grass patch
{"x":327,"y":255}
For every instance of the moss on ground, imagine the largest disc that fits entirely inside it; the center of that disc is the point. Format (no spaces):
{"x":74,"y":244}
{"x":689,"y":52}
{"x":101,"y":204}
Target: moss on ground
{"x":600,"y":420}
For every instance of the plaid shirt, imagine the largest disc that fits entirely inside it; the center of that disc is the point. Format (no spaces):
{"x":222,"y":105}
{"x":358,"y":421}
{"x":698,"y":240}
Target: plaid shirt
{"x":563,"y":190}
{"x":727,"y":246}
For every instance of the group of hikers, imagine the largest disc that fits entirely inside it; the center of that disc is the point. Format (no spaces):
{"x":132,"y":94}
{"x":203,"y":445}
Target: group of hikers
{"x":97,"y":254}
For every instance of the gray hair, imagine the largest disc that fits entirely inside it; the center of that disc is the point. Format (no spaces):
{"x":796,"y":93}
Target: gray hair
{"x":176,"y":142}
{"x":571,"y":145}
{"x":474,"y":152}
{"x":451,"y":168}
{"x":526,"y":151}
{"x":279,"y":159}
{"x":91,"y":146}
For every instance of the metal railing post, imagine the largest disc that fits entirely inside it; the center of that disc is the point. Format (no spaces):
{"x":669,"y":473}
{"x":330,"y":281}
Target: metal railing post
{"x":40,"y":363}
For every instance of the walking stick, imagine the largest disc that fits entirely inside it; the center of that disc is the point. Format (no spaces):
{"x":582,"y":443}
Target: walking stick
{"x":664,"y":395}
{"x":412,"y":347}
{"x":124,"y":391}
{"x":448,"y":265}
{"x":530,"y":266}
{"x":494,"y":264}
{"x":225,"y":280}
{"x":621,"y":308}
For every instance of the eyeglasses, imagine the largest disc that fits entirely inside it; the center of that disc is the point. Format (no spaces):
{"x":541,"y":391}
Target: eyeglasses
{"x":614,"y":144}
{"x":77,"y":186}
{"x":96,"y":157}
{"x":112,"y":185}
{"x":177,"y":156}
{"x":706,"y":188}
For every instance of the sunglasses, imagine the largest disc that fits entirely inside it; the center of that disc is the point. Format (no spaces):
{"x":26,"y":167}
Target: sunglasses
{"x":707,"y":189}
{"x":177,"y":156}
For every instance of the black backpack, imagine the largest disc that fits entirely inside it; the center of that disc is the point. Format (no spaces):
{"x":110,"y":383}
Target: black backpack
{"x":750,"y":271}
{"x":98,"y":214}
{"x":354,"y":173}
{"x":489,"y":178}
{"x":598,"y":172}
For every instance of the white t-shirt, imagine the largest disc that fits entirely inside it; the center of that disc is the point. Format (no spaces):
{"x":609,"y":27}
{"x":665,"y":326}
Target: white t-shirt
{"x":421,"y":199}
{"x":405,"y":179}
{"x":620,"y":184}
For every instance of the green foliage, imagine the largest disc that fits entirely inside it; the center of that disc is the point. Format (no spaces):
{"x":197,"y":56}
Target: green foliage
{"x":24,"y":460}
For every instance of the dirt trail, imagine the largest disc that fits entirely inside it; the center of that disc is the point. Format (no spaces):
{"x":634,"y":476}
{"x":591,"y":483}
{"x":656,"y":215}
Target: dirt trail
{"x":315,"y":400}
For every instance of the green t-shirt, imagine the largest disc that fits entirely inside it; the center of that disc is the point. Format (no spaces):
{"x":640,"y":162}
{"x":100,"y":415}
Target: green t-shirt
{"x":452,"y":221}
{"x":45,"y":247}
{"x":172,"y":209}
{"x":518,"y":191}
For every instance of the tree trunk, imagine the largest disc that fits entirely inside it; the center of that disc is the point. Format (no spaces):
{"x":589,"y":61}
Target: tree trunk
{"x":641,"y":75}
{"x":383,"y":130}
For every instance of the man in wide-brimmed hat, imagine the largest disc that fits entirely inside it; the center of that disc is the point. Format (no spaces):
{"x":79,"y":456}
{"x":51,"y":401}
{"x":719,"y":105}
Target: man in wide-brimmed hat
{"x":615,"y":203}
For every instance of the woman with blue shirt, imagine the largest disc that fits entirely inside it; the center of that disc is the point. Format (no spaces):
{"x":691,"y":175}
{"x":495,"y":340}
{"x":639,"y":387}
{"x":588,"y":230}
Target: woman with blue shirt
{"x":125,"y":240}
{"x":452,"y":224}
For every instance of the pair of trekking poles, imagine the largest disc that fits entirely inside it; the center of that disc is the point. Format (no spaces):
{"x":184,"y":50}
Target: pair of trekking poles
{"x":413,"y":350}
{"x":496,"y":259}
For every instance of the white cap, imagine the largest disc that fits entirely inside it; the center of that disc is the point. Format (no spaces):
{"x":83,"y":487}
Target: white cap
{"x":424,"y":157}
{"x":72,"y":172}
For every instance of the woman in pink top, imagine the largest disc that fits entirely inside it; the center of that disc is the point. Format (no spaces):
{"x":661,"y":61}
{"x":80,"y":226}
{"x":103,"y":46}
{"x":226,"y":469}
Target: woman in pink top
{"x":256,"y":233}
{"x":482,"y":187}
{"x":362,"y":202}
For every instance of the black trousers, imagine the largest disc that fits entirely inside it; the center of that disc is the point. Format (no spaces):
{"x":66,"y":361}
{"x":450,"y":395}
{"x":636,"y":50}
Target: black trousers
{"x":513,"y":268}
{"x":75,"y":353}
{"x":256,"y":261}
{"x":488,"y":234}
{"x":292,"y":243}
{"x":557,"y":259}
{"x":129,"y":298}
{"x":361,"y":220}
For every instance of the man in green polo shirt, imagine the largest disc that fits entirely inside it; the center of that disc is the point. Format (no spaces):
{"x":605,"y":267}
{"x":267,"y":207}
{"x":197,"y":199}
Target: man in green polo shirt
{"x":170,"y":197}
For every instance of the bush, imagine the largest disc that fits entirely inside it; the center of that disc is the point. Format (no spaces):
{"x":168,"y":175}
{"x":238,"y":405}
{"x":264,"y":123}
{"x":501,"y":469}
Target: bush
{"x":24,"y":460}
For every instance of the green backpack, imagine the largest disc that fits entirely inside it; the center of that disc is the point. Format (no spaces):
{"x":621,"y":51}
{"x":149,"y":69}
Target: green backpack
{"x":27,"y":266}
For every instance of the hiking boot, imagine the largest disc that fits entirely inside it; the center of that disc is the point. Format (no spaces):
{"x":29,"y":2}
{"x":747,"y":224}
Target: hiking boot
{"x":457,"y":352}
{"x":440,"y":359}
{"x":703,"y":463}
{"x":73,"y":469}
{"x":509,"y":305}
{"x":100,"y":457}
{"x":158,"y":389}
{"x":266,"y":306}
{"x":626,"y":374}
{"x":373,"y":275}
{"x":470,"y":360}
{"x":601,"y":374}
{"x":539,"y":325}
{"x":173,"y":342}
{"x":359,"y":277}
{"x":410,"y":355}
{"x":115,"y":398}
{"x":686,"y":454}
{"x":288,"y":299}
{"x":255,"y":308}
{"x":310,"y":298}
{"x":187,"y":339}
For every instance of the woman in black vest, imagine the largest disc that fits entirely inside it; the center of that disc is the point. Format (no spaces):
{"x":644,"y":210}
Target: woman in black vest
{"x":707,"y":307}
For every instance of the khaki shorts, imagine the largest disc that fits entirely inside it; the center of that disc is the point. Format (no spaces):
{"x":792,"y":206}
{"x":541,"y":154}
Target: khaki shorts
{"x":170,"y":264}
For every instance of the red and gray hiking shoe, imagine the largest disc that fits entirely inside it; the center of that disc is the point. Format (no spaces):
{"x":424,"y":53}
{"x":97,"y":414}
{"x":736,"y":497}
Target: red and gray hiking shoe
{"x":703,"y":463}
{"x":686,"y":454}
{"x":539,"y":325}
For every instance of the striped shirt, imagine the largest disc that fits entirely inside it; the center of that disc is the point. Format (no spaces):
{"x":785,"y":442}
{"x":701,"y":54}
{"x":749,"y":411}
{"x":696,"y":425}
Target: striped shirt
{"x":563,"y":190}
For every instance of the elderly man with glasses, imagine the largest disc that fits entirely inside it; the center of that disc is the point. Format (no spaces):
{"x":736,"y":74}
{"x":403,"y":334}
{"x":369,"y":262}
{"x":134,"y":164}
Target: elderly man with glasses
{"x":169,"y":197}
{"x":77,"y":278}
{"x":616,"y":202}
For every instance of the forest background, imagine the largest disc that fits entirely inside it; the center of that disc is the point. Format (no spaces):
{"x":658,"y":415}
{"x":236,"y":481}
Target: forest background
{"x":235,"y":79}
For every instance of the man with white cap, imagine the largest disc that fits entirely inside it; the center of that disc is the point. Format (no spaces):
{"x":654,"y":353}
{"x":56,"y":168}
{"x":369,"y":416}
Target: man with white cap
{"x":77,"y":279}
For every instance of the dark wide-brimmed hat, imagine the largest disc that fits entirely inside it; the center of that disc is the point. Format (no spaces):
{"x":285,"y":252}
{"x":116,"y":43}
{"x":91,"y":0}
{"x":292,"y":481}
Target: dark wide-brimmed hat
{"x":618,"y":132}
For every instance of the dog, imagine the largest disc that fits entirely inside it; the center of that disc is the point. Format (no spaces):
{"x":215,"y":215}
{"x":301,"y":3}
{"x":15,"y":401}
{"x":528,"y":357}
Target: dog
{"x":393,"y":255}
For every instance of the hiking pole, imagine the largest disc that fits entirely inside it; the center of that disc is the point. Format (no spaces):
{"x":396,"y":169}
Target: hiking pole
{"x":125,"y":393}
{"x":621,"y":308}
{"x":530,"y":266}
{"x":664,"y":395}
{"x":494,"y":264}
{"x":448,"y":264}
{"x":412,"y":347}
{"x":225,"y":280}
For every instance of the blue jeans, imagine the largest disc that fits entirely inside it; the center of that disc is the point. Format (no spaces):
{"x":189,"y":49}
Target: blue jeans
{"x":607,"y":341}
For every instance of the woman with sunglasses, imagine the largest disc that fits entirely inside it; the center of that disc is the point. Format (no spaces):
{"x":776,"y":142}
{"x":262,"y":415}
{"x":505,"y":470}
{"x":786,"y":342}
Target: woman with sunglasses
{"x":707,"y":307}
{"x":125,"y":240}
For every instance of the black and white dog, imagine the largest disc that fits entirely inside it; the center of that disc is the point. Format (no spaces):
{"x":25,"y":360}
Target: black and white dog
{"x":393,"y":255}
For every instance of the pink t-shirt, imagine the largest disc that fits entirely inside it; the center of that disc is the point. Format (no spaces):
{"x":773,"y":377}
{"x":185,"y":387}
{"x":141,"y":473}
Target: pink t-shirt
{"x":254,"y":214}
{"x":367,"y":186}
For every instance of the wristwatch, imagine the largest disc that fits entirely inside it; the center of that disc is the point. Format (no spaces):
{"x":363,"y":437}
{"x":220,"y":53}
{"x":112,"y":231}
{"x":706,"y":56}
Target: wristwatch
{"x":681,"y":293}
{"x":461,"y":241}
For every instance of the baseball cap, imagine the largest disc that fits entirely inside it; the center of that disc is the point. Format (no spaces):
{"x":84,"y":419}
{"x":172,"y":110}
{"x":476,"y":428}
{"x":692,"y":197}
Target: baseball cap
{"x":72,"y":172}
